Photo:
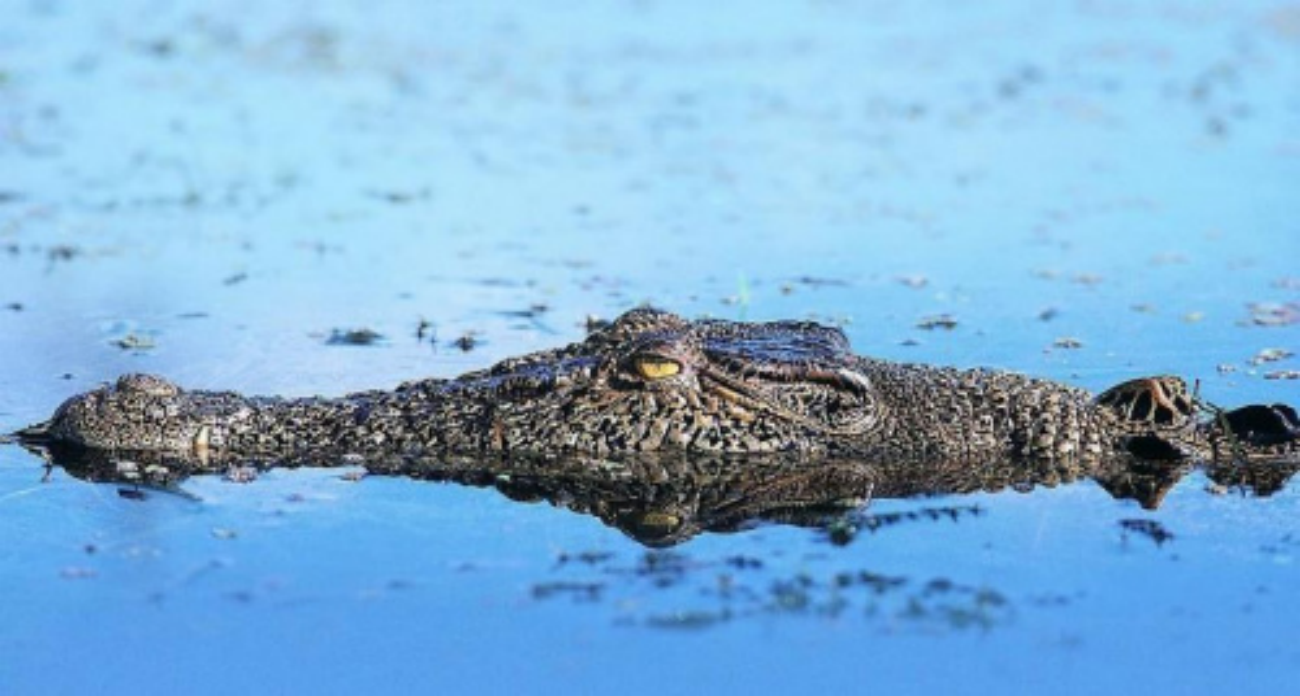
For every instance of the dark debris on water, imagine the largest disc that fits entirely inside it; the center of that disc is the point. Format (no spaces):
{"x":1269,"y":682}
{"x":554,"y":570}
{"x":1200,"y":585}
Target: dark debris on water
{"x":1150,"y":529}
{"x":533,"y":311}
{"x":941,"y":321}
{"x":467,"y":341}
{"x":354,"y":337}
{"x":577,"y":591}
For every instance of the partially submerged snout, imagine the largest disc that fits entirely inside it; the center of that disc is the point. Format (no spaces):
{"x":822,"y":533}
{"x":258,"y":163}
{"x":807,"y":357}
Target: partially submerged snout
{"x":35,"y":434}
{"x":137,"y":412}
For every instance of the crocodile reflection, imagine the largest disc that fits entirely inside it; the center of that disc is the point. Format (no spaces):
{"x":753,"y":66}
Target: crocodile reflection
{"x":662,"y":500}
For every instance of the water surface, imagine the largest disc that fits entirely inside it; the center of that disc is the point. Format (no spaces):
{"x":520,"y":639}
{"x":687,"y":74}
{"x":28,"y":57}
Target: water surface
{"x":210,"y":194}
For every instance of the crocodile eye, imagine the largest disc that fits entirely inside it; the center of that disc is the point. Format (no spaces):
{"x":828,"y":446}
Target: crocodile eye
{"x":653,"y":367}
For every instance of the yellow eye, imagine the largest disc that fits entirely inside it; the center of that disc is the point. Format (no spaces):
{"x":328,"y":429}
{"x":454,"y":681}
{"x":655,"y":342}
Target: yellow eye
{"x":651,"y":367}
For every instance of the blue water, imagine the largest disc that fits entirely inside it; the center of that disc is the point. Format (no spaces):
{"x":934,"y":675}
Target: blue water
{"x":231,"y":185}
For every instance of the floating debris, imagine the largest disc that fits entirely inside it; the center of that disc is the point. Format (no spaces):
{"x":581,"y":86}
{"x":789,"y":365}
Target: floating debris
{"x":399,"y":197}
{"x":1049,"y":314}
{"x":234,"y":279}
{"x":816,"y":282}
{"x":577,"y":591}
{"x":354,"y":337}
{"x":584,"y":557}
{"x":915,"y":281}
{"x":1274,"y":314}
{"x":15,"y":306}
{"x":319,"y":247}
{"x":135,"y":342}
{"x":1150,"y":529}
{"x":425,"y":328}
{"x":224,"y":533}
{"x":941,"y":321}
{"x":1067,"y":343}
{"x":1193,"y":317}
{"x":466,"y":342}
{"x":494,"y":282}
{"x":62,"y":252}
{"x":1283,"y":374}
{"x":534,"y":311}
{"x":1269,"y":355}
{"x":1226,"y":368}
{"x":77,"y":573}
{"x":876,"y":582}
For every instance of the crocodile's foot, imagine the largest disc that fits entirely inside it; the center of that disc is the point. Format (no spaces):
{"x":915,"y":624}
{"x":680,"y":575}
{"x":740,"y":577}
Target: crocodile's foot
{"x":1159,"y":403}
{"x":1151,"y":413}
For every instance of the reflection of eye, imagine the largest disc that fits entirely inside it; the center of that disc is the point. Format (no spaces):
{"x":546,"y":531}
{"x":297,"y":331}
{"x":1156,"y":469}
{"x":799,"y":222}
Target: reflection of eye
{"x":652,"y":367}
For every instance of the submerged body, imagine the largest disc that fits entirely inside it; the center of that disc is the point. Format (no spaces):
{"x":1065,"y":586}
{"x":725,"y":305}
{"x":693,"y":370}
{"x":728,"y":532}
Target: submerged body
{"x":654,"y":382}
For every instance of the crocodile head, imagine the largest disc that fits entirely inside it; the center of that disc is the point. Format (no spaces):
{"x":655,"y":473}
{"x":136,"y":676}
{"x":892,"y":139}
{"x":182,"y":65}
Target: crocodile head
{"x":652,"y":380}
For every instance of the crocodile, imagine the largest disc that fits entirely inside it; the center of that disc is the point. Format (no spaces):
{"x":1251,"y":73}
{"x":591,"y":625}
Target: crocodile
{"x":653,"y":382}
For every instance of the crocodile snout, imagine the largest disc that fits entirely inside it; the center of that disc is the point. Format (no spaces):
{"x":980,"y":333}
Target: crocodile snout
{"x":137,"y":412}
